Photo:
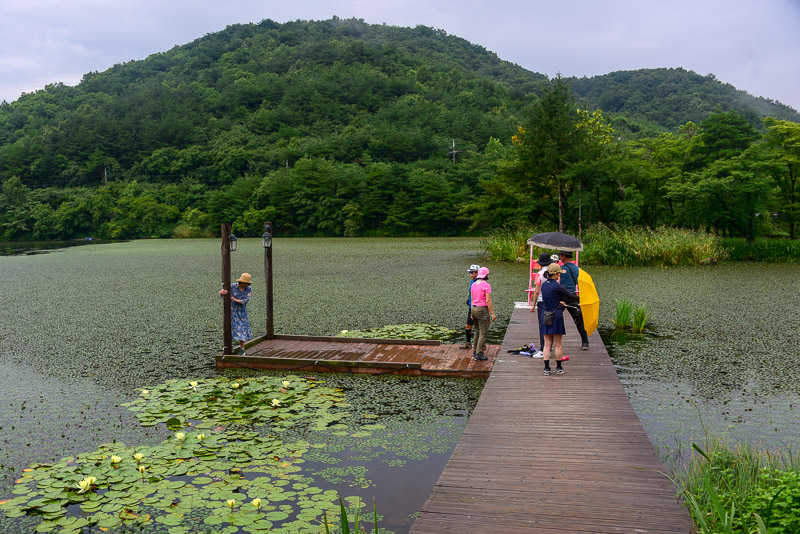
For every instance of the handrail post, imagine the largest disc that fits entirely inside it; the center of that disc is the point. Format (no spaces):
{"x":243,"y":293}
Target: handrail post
{"x":227,"y":336}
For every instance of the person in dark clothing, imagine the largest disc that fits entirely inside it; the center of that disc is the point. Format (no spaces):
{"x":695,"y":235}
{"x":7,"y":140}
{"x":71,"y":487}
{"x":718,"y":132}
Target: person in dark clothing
{"x":554,"y":298}
{"x":544,"y":261}
{"x":570,"y":281}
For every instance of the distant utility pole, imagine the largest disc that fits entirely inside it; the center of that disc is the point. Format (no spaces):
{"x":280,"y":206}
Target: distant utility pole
{"x":453,"y":151}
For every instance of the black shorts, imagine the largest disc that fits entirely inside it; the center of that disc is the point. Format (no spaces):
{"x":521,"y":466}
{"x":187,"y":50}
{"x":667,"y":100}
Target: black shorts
{"x":470,"y":322}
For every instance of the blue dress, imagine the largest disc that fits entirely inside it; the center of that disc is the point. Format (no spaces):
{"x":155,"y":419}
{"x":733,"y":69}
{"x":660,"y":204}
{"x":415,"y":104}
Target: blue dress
{"x":552,"y":295}
{"x":240,"y":323}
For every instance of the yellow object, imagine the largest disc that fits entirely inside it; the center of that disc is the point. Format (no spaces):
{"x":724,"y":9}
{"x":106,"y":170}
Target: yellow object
{"x":590,"y":302}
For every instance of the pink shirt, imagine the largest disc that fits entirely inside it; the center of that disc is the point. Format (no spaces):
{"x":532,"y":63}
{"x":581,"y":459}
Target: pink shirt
{"x":479,"y":290}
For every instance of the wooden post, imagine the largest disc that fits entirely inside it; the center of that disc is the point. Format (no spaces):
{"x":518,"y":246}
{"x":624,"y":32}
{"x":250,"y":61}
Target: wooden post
{"x":268,"y":277}
{"x":227,"y":335}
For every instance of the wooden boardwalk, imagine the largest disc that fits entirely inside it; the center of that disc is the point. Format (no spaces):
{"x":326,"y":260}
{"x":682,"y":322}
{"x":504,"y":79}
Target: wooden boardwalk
{"x":402,"y":357}
{"x":553,"y":454}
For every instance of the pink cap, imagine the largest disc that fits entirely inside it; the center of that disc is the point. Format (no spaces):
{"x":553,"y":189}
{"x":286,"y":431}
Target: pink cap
{"x":483,"y":272}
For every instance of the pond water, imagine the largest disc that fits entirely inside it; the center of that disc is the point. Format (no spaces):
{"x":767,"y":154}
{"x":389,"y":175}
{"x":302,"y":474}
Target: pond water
{"x":84,"y":327}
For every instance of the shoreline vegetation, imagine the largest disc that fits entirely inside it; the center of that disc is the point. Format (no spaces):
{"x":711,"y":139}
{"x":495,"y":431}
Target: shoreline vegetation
{"x":738,"y":489}
{"x":635,"y":246}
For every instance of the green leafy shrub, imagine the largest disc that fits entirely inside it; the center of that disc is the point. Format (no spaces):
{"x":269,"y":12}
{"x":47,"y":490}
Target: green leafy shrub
{"x":777,"y":502}
{"x":775,"y":250}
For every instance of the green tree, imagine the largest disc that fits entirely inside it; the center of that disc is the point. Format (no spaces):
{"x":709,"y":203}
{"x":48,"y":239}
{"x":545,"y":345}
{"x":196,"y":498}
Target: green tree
{"x":784,"y":138}
{"x":550,"y":142}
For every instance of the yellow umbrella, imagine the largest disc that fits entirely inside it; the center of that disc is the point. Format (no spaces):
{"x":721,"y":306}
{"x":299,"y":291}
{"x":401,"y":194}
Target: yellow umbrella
{"x":590,"y":302}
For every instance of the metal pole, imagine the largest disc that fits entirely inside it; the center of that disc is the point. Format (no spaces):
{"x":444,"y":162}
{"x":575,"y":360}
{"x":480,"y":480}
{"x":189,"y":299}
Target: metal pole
{"x":227,"y":335}
{"x":268,"y":277}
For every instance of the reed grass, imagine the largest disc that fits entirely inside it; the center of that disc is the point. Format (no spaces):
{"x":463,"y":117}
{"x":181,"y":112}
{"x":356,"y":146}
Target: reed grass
{"x":740,"y":490}
{"x":640,"y":316}
{"x":638,"y":246}
{"x":506,"y":244}
{"x":764,"y":249}
{"x":357,"y":527}
{"x":619,"y":246}
{"x":623,"y":317}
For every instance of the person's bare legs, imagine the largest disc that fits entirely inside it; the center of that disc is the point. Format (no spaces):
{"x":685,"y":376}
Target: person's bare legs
{"x":559,"y":353}
{"x":548,"y":344}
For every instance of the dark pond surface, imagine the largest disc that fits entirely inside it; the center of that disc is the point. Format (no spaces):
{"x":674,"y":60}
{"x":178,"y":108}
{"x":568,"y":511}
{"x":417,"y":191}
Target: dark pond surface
{"x":83,"y":327}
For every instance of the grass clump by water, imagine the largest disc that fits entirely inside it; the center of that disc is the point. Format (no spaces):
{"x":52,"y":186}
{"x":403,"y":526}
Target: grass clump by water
{"x":660,"y":247}
{"x":507,"y":244}
{"x":630,"y":246}
{"x":775,"y":250}
{"x":738,"y":489}
{"x":622,"y":317}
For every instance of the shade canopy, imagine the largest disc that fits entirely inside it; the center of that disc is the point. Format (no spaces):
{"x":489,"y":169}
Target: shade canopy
{"x":556,"y":241}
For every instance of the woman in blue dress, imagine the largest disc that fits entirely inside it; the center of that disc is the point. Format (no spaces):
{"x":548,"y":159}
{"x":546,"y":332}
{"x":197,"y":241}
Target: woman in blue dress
{"x":554,"y":298}
{"x":240,"y":323}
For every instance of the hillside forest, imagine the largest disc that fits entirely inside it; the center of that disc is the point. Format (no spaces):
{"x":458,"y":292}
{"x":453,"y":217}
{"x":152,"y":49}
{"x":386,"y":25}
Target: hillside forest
{"x":342,"y":128}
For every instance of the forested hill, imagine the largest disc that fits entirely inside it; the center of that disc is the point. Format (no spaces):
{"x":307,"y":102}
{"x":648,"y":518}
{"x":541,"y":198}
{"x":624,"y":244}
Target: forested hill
{"x":672,"y":97}
{"x":252,"y":97}
{"x":334,"y":127}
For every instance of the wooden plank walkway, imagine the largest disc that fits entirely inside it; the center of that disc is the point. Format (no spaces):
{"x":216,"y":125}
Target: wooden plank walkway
{"x":402,"y":357}
{"x":553,"y":454}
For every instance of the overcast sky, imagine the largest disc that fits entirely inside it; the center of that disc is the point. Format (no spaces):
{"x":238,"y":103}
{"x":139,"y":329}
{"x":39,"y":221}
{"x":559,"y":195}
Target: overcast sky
{"x":753,"y":45}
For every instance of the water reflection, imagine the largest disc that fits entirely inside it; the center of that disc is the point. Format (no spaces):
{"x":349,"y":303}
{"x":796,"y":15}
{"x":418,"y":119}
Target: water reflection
{"x":26,"y":248}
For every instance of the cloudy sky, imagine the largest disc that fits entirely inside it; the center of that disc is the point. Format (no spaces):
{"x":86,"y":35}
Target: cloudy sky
{"x":753,"y":45}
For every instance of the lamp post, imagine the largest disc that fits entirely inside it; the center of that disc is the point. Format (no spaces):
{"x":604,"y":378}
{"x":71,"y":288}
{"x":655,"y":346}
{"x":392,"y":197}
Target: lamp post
{"x":229,"y":243}
{"x":266,"y":242}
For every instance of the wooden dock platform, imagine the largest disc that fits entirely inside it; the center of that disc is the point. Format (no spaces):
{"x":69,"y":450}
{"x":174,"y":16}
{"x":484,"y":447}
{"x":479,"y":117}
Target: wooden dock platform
{"x":363,"y":355}
{"x":553,"y":454}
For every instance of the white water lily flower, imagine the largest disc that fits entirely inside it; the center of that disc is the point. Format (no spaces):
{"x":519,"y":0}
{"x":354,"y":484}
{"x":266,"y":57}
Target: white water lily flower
{"x":231,"y":503}
{"x":256,"y":502}
{"x":142,"y":469}
{"x":138,"y":456}
{"x":193,"y":385}
{"x":115,"y":459}
{"x":179,"y":435}
{"x":285,"y":383}
{"x":201,"y":437}
{"x":145,"y":391}
{"x":235,"y":385}
{"x":276,"y":402}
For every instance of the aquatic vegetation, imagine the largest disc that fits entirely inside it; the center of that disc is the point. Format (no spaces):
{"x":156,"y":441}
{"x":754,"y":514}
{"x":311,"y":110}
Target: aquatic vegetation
{"x":640,"y":316}
{"x":194,"y":470}
{"x":402,"y":331}
{"x":623,"y":317}
{"x":240,"y":462}
{"x":740,"y":489}
{"x":639,"y":246}
{"x":763,"y":249}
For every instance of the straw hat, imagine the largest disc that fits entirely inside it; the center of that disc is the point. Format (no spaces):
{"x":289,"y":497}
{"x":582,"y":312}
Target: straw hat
{"x":245,"y":279}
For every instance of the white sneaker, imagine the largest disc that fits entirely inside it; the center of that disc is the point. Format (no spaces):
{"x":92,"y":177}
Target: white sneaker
{"x":537,"y":354}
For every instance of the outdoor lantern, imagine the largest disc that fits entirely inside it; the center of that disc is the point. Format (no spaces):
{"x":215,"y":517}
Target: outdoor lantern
{"x":232,"y":240}
{"x":266,"y":237}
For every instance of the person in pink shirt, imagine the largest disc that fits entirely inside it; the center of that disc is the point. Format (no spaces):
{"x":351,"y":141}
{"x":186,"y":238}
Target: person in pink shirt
{"x":482,"y":311}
